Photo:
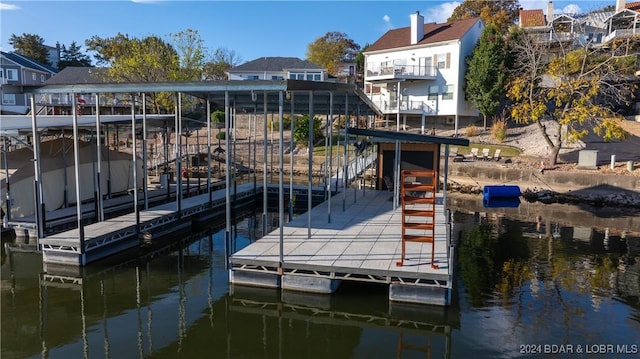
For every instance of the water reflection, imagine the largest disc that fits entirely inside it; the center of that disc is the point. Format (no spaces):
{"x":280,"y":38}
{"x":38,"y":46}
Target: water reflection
{"x":544,"y":282}
{"x":519,"y":282}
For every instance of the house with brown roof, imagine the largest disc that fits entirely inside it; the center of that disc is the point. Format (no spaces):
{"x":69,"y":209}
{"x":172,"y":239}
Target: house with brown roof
{"x":417,"y":72}
{"x":594,"y":29}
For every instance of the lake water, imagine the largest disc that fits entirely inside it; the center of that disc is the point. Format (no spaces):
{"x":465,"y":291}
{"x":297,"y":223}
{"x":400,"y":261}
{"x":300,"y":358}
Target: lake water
{"x":523,"y":287}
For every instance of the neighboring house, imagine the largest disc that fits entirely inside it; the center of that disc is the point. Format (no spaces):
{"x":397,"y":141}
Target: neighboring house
{"x":563,"y":32}
{"x":16,"y":73}
{"x":592,"y":29}
{"x":54,"y":55}
{"x":418,"y":72}
{"x":61,"y":104}
{"x":347,"y":72}
{"x":278,"y":68}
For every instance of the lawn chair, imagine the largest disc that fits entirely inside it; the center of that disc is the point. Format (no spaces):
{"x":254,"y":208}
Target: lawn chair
{"x":388,"y":182}
{"x":474,"y":153}
{"x":496,"y":155}
{"x":485,"y":154}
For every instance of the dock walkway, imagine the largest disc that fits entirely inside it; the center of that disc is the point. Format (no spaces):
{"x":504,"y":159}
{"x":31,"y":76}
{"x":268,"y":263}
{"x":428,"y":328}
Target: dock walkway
{"x":361,"y":244}
{"x":102,"y":239}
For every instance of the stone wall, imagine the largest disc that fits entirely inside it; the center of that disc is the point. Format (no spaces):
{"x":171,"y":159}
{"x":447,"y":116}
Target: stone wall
{"x":556,"y":180}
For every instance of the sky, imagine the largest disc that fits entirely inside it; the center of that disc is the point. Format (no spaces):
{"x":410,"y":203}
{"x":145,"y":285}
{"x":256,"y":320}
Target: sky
{"x":251,"y":29}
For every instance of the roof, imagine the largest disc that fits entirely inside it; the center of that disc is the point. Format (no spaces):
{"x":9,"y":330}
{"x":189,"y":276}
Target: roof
{"x":408,"y":137}
{"x":635,"y":6}
{"x":79,"y":75}
{"x":433,"y":33}
{"x":28,"y":62}
{"x":532,"y":18}
{"x":275,"y":64}
{"x":250,"y":95}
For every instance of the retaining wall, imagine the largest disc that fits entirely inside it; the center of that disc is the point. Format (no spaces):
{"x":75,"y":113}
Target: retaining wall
{"x":556,"y":180}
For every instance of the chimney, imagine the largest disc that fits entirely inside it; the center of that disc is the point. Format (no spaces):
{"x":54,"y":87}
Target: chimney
{"x":549,"y":11}
{"x":417,"y":27}
{"x":620,"y":5}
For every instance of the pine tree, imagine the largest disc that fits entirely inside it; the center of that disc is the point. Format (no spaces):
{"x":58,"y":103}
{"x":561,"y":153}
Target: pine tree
{"x":486,"y":73}
{"x":30,"y":45}
{"x":73,"y":57}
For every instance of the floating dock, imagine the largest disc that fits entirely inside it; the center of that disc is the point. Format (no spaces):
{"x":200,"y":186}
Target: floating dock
{"x":361,"y":243}
{"x":111,"y":236}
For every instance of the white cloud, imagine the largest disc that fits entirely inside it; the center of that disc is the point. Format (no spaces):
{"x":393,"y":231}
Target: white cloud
{"x":542,"y":4}
{"x":8,"y":7}
{"x":387,"y":21}
{"x":571,"y":9}
{"x":440,"y":13}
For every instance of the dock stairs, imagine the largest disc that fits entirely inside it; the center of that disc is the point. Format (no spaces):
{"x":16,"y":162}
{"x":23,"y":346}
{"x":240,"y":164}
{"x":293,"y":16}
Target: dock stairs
{"x":418,"y":194}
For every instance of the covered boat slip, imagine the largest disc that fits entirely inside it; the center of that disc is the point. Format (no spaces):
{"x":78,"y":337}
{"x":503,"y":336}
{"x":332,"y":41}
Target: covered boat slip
{"x":361,"y":243}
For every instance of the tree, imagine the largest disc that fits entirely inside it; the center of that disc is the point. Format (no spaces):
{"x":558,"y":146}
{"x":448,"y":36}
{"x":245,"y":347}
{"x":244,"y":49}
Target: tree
{"x":191,"y":52}
{"x":360,"y":65}
{"x":502,"y":13}
{"x":222,"y":60}
{"x":139,"y":60}
{"x":487,"y":73}
{"x":73,"y":57}
{"x":332,"y":49}
{"x":30,"y":45}
{"x":107,"y":49}
{"x":578,"y":93}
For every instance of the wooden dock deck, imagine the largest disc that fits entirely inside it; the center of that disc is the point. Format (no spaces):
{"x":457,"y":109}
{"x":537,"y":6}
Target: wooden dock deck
{"x":363,"y":243}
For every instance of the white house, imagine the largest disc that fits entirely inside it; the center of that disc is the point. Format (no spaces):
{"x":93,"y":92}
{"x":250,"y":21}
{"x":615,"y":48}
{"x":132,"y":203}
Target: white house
{"x":417,"y":72}
{"x":278,"y":68}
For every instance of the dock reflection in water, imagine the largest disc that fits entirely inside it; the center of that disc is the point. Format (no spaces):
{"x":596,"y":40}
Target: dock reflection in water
{"x":516,"y":286}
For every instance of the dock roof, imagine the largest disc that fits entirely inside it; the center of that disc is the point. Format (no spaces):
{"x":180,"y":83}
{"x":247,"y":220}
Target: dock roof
{"x":247,"y":96}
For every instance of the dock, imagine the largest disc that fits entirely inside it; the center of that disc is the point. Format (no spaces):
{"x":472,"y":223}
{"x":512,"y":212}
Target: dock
{"x":363,"y":243}
{"x":111,"y":236}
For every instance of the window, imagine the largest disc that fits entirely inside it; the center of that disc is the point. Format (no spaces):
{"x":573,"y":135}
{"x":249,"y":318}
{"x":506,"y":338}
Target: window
{"x":43,"y":78}
{"x":296,"y":76}
{"x":34,"y":76}
{"x":253,"y":77}
{"x":433,"y":92}
{"x":276,"y":77}
{"x":8,"y":99}
{"x":447,"y":92}
{"x":310,"y":76}
{"x":443,"y":61}
{"x":12,"y":74}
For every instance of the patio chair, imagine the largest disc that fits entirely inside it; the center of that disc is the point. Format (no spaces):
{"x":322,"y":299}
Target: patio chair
{"x":485,"y":154}
{"x":474,"y":153}
{"x":388,"y":182}
{"x":496,"y":154}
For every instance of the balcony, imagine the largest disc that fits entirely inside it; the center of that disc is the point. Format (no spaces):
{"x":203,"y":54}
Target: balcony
{"x":621,"y":34}
{"x":386,"y":72}
{"x":553,"y":37}
{"x":407,"y":106}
